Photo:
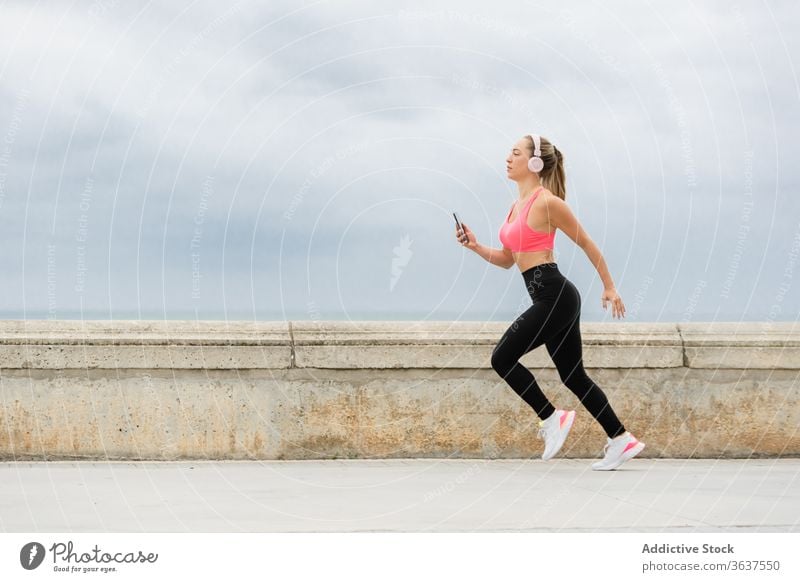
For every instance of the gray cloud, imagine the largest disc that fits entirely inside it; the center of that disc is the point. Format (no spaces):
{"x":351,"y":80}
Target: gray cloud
{"x":337,"y":138}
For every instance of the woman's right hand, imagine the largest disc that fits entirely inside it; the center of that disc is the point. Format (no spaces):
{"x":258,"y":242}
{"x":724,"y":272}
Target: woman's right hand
{"x":467,"y":238}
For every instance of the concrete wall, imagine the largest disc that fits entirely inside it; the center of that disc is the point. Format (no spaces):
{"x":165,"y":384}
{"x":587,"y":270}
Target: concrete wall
{"x":303,"y":390}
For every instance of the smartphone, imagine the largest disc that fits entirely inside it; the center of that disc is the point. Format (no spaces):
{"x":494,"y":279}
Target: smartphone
{"x":458,"y":224}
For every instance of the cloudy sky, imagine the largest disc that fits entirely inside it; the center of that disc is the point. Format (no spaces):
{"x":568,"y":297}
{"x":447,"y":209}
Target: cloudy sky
{"x":301,"y":160}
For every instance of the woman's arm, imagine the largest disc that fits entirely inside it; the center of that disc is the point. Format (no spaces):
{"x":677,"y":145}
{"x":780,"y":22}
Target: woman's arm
{"x":562,"y":217}
{"x":500,"y":257}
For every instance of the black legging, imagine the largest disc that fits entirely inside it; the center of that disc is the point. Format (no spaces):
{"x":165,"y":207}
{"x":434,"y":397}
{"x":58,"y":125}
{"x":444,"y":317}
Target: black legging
{"x":553,"y":320}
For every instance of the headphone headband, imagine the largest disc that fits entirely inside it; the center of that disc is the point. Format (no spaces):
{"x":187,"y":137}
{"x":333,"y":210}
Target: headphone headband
{"x":537,"y":145}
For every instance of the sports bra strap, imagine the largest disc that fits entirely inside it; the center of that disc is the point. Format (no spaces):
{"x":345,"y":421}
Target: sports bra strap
{"x":527,"y":204}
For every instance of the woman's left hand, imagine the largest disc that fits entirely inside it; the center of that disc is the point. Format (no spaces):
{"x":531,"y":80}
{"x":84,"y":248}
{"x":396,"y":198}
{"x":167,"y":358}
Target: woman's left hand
{"x":617,"y":307}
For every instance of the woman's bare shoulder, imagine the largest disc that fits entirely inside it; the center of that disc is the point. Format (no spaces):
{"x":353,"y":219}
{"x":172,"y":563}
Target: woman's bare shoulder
{"x":555,"y":204}
{"x":548,"y":195}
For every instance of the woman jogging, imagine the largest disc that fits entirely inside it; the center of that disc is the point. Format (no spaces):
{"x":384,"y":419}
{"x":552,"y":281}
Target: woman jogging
{"x":554,"y":317}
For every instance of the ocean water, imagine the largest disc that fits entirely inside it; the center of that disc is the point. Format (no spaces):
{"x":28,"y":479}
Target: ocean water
{"x":251,"y":316}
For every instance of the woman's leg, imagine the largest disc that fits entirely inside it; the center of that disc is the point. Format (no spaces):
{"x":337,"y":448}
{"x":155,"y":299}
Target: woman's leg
{"x":567,"y":352}
{"x":530,"y":330}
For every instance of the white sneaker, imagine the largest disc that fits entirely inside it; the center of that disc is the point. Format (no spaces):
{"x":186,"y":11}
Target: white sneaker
{"x":554,"y":431}
{"x":617,"y":451}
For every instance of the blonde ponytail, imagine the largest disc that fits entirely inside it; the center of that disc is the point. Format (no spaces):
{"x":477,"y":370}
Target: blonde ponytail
{"x":553,"y":176}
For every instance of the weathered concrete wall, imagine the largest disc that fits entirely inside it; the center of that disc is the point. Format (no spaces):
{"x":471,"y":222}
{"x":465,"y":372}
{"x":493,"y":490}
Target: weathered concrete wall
{"x":301,"y":390}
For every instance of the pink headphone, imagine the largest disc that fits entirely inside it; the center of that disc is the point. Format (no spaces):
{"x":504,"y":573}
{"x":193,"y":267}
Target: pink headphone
{"x":535,"y":164}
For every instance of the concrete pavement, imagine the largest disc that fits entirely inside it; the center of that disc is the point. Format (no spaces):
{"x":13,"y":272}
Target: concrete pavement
{"x":662,"y":495}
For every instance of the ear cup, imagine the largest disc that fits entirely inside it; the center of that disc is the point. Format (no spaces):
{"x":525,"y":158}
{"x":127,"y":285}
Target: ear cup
{"x":535,"y":165}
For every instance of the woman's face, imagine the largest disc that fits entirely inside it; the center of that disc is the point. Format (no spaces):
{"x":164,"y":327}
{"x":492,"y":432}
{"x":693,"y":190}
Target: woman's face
{"x":517,"y":161}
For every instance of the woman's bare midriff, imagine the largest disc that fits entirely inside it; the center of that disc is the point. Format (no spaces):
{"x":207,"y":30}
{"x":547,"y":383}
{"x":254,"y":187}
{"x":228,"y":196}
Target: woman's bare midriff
{"x":527,"y":261}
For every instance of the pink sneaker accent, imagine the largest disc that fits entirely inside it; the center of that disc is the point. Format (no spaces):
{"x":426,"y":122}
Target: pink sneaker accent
{"x":630,"y":445}
{"x":564,"y":416}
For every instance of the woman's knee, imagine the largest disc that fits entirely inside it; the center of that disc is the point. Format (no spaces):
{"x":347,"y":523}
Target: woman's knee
{"x":502,"y":360}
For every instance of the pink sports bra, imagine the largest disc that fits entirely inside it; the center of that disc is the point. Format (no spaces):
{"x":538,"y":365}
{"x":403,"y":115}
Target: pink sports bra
{"x":519,"y":237}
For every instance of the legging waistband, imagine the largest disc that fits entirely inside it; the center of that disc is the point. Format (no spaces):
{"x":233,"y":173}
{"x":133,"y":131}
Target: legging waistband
{"x":544,"y":280}
{"x":540,"y":271}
